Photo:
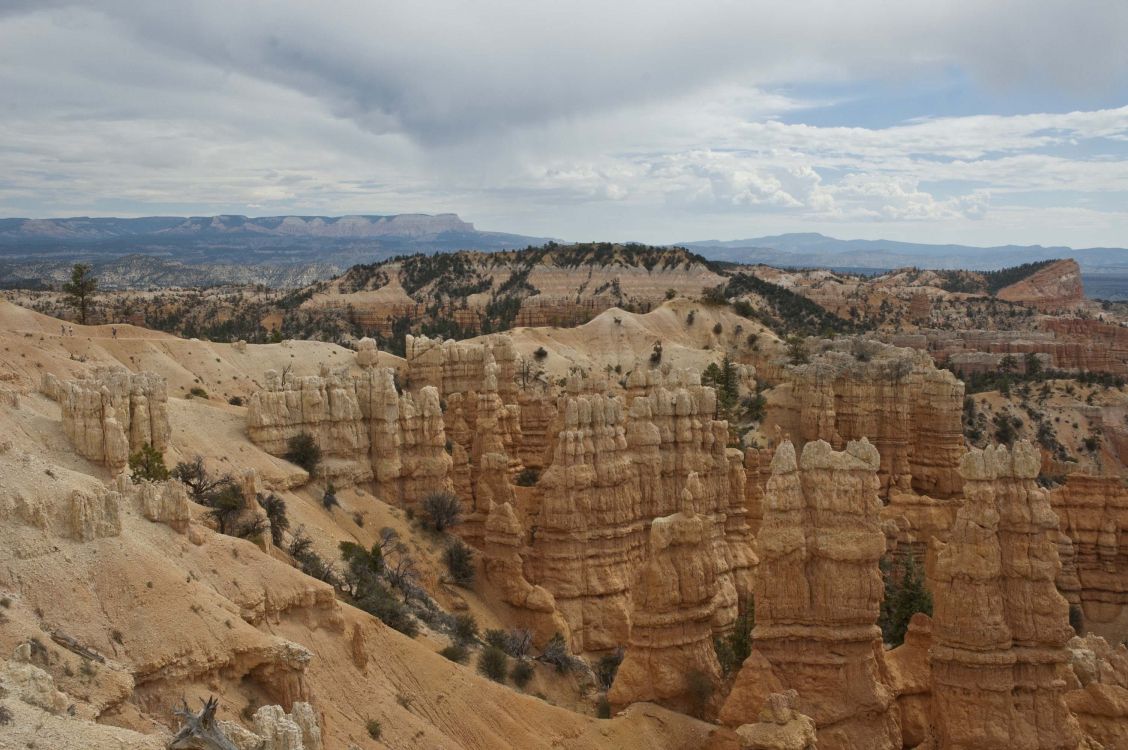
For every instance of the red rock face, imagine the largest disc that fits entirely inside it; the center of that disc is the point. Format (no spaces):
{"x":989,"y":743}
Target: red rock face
{"x":818,"y":590}
{"x":1093,"y":512}
{"x":1054,"y":288}
{"x":999,"y":661}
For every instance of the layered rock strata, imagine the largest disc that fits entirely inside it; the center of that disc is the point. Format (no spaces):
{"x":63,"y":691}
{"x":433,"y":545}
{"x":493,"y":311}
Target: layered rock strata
{"x":1093,"y":512}
{"x":818,"y":591}
{"x":366,"y":429}
{"x":894,"y":397}
{"x":1099,"y":697}
{"x":673,"y":602}
{"x":999,"y":658}
{"x":112,"y":413}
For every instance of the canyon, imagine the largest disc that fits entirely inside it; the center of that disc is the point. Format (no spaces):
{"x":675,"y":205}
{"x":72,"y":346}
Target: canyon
{"x":633,"y":487}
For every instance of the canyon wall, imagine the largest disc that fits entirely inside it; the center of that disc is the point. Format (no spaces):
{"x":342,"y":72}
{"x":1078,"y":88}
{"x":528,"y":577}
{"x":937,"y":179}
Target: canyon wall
{"x":1093,"y":513}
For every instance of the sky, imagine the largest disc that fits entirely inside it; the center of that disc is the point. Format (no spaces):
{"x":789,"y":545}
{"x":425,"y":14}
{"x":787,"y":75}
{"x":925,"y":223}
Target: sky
{"x":941,"y":121}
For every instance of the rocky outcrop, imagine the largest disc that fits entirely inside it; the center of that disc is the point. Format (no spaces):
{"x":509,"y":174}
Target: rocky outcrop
{"x":910,"y":679}
{"x":274,"y":729}
{"x":673,"y":601}
{"x":779,"y":726}
{"x":896,"y":398}
{"x":818,"y":591}
{"x":1053,"y":288}
{"x":160,"y":502}
{"x":366,"y":429}
{"x":1093,"y":511}
{"x":1099,"y":698}
{"x":999,"y":657}
{"x":325,"y":407}
{"x":112,"y":413}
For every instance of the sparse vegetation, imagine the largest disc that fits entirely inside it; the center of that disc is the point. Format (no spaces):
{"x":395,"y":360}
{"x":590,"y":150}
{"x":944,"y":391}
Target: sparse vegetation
{"x":442,"y":510}
{"x":734,"y":647}
{"x":329,"y":498}
{"x":905,"y":595}
{"x":527,"y":477}
{"x":456,"y":652}
{"x":521,"y":673}
{"x":459,"y":559}
{"x":698,"y":690}
{"x":275,"y":509}
{"x":302,"y":450}
{"x":374,"y":729}
{"x":607,"y":667}
{"x":148,"y":465}
{"x":493,"y":663}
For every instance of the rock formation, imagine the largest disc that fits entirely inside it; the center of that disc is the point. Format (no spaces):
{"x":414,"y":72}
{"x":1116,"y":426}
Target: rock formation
{"x":534,"y":607}
{"x":673,"y":601}
{"x":1099,"y":698}
{"x":112,"y":413}
{"x":818,"y":591}
{"x":326,"y":407}
{"x":910,"y":679}
{"x":366,"y":429}
{"x":999,"y":656}
{"x":1093,"y":511}
{"x":587,"y":537}
{"x":779,"y":726}
{"x":894,"y":397}
{"x":1053,"y":288}
{"x":274,"y":729}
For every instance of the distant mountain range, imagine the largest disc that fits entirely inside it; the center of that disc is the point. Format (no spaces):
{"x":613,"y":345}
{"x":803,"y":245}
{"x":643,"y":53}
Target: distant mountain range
{"x":209,"y":250}
{"x":818,"y":250}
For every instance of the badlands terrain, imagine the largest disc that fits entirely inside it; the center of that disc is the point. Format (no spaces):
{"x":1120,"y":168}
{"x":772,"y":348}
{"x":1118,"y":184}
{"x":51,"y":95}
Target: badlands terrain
{"x":574,"y":496}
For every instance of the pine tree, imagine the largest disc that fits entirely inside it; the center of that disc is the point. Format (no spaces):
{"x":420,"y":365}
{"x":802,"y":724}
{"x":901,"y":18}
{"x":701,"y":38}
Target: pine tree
{"x":80,"y":289}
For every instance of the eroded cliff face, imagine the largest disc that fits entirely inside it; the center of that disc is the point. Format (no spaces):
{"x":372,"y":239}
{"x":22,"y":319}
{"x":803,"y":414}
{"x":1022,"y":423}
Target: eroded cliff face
{"x":112,"y":413}
{"x":1054,"y":288}
{"x":367,"y":430}
{"x":896,"y":398}
{"x":673,"y":602}
{"x":999,"y":657}
{"x":818,"y":591}
{"x":1093,"y":513}
{"x":1098,"y":694}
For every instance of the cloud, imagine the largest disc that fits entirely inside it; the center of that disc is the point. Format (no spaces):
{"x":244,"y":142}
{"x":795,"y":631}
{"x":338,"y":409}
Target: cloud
{"x":660,"y":119}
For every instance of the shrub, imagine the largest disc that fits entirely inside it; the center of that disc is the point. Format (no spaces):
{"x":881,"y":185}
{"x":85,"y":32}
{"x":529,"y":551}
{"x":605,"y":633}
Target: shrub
{"x":692,"y":316}
{"x":496,"y":637}
{"x":797,"y":350}
{"x":302,"y":450}
{"x":465,"y":628}
{"x":732,"y":649}
{"x":200,"y":484}
{"x":527,"y":477}
{"x":275,"y":508}
{"x":698,"y":690}
{"x":374,"y":729}
{"x":459,"y":560}
{"x":603,"y":708}
{"x":147,"y":464}
{"x":607,"y":666}
{"x":521,"y":673}
{"x":493,"y":663}
{"x":198,"y":392}
{"x":671,"y":293}
{"x":5,"y":715}
{"x":235,"y":400}
{"x":329,"y":499}
{"x":442,"y":510}
{"x":718,"y":328}
{"x":904,"y":597}
{"x":656,"y":353}
{"x":309,"y":562}
{"x":557,"y":654}
{"x":456,"y":652}
{"x":514,"y":642}
{"x":540,"y":352}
